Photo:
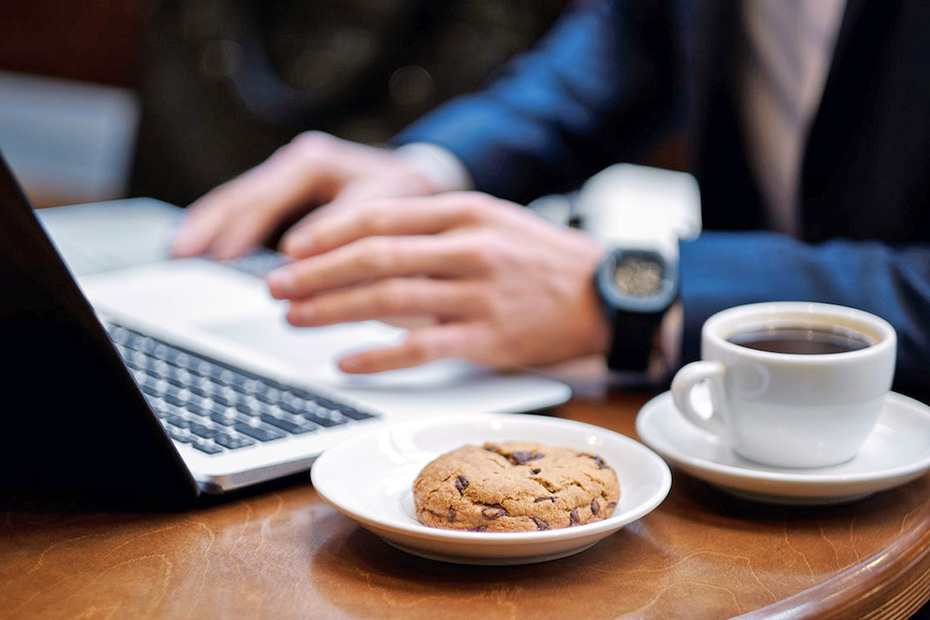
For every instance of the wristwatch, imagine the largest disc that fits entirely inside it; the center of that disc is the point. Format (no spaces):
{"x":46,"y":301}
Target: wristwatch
{"x":636,"y":287}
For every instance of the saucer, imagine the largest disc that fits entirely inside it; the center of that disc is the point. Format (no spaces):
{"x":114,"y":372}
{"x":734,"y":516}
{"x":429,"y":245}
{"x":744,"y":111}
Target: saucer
{"x":370,"y":477}
{"x":897,"y":451}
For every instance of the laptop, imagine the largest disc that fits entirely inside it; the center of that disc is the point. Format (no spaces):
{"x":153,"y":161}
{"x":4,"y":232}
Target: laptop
{"x":133,"y":378}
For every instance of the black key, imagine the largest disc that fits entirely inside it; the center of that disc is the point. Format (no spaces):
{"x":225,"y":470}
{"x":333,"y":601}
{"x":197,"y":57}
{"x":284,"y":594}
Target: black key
{"x":232,"y":443}
{"x":220,"y":418}
{"x":323,"y":420}
{"x":284,"y":425}
{"x":196,"y":417}
{"x":145,"y":381}
{"x":178,"y":436}
{"x":215,"y":408}
{"x":178,"y":421}
{"x":325,"y":402}
{"x":178,"y":358}
{"x":149,"y":389}
{"x":160,"y":413}
{"x":176,"y":381}
{"x":259,"y":432}
{"x":197,"y":389}
{"x":245,"y":419}
{"x":247,"y":385}
{"x":246,"y":408}
{"x":355,"y":414}
{"x":204,"y":431}
{"x":267,"y":396}
{"x":224,"y":376}
{"x":291,"y":408}
{"x":174,"y":400}
{"x":205,"y":447}
{"x":222,"y":400}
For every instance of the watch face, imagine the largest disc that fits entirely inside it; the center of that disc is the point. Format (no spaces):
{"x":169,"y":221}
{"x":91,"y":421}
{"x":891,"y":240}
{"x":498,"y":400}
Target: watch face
{"x":636,"y":287}
{"x":638,"y":274}
{"x":641,"y":281}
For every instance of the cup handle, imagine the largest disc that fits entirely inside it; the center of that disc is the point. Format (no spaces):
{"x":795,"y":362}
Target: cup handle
{"x":686,"y":379}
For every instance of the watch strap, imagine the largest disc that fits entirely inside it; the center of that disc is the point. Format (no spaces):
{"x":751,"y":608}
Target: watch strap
{"x":633,"y":340}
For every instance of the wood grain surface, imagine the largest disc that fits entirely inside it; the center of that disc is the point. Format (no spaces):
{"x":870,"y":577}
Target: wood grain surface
{"x":281,"y":552}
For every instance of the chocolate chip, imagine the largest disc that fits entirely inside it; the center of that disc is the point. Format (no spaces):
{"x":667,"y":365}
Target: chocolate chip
{"x":452,"y":514}
{"x":595,"y":508}
{"x":573,"y":517}
{"x":612,"y":505}
{"x":601,"y":464}
{"x":480,"y":528}
{"x":535,"y":471}
{"x":494,"y":512}
{"x":543,"y":499}
{"x":461,"y":483}
{"x":522,"y":457}
{"x":540,"y":524}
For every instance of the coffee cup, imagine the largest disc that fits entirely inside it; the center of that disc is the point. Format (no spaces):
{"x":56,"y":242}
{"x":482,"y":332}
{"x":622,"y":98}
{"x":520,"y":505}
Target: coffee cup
{"x":790,"y":384}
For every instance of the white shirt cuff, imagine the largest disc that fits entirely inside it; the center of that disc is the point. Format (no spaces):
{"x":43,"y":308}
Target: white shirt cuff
{"x":440,"y":167}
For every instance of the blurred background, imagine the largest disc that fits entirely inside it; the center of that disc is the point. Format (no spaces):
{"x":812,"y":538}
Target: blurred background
{"x":105,"y":99}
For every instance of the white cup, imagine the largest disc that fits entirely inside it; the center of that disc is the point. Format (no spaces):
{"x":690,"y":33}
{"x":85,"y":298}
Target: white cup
{"x":794,"y":409}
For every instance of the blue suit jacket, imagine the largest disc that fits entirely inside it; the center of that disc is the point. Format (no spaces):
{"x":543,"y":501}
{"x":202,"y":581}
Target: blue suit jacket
{"x":614,"y":76}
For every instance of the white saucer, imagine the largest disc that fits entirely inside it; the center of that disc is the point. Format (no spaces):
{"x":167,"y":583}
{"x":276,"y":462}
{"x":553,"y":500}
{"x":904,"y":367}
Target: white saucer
{"x":897,"y":451}
{"x":370,"y":479}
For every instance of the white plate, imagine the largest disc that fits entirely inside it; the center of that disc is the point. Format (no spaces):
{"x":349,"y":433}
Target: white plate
{"x":370,"y":478}
{"x":897,"y":451}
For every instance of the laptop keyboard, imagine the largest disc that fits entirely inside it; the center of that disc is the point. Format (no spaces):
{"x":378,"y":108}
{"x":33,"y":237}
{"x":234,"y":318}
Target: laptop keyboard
{"x":215,"y":407}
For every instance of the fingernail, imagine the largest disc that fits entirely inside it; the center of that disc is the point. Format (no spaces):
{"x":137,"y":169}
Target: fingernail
{"x":296,"y":242}
{"x":351,"y":364}
{"x":300,"y":315}
{"x":281,"y":282}
{"x":183,"y":244}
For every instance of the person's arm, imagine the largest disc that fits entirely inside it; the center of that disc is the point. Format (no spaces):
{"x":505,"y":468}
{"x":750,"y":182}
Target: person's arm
{"x":314,"y":172}
{"x":597,"y":90}
{"x":591,"y":94}
{"x":720,"y":270}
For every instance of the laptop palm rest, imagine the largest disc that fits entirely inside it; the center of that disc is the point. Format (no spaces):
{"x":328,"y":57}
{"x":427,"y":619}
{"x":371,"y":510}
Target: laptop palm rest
{"x":231,"y":314}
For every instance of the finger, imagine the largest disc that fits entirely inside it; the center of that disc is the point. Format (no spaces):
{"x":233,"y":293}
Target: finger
{"x":362,"y":190}
{"x":378,"y":258}
{"x":232,"y":220}
{"x":441,"y":299}
{"x":389,"y":217}
{"x":241,"y":214}
{"x":420,"y":347}
{"x":202,"y":223}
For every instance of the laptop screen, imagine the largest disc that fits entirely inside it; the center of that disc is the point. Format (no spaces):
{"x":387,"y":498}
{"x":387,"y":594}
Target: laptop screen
{"x":76,"y":428}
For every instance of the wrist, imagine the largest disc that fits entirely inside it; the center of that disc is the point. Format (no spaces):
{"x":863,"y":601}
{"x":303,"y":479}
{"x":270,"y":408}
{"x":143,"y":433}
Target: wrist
{"x":637,"y":288}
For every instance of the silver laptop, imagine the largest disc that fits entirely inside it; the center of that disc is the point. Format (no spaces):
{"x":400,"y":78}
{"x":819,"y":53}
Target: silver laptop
{"x":190,"y":359}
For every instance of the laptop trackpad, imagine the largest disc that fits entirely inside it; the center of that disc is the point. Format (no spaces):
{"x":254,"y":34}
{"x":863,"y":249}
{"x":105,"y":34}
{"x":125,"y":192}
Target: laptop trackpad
{"x":314,"y":352}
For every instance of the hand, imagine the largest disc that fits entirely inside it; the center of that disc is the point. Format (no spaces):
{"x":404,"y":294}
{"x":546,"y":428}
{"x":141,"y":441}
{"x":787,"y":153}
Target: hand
{"x":503,"y":287}
{"x":312,"y":170}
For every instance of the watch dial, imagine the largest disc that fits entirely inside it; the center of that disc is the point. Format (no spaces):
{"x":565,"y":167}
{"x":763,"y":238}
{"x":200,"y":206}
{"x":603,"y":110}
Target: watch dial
{"x":638,"y":275}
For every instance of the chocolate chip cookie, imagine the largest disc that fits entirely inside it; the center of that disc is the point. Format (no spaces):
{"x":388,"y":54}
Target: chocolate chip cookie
{"x":514,"y":486}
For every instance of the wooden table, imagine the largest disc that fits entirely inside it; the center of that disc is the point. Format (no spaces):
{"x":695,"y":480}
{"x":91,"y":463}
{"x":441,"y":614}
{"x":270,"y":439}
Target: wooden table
{"x":281,"y":552}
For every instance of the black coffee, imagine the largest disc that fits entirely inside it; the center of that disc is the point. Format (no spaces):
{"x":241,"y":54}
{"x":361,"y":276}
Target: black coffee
{"x":801,"y":341}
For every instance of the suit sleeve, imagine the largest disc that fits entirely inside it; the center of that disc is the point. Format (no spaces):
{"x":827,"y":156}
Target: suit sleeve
{"x":724,"y":269}
{"x":596,"y":90}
